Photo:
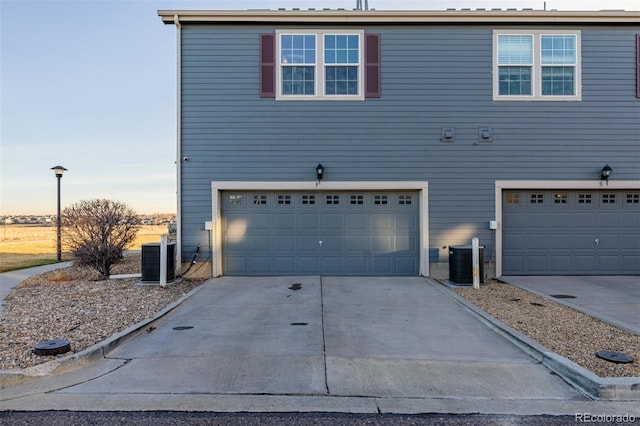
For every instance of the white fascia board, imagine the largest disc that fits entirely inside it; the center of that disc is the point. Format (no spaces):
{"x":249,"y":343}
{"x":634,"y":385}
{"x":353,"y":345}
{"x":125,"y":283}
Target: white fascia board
{"x":350,"y":17}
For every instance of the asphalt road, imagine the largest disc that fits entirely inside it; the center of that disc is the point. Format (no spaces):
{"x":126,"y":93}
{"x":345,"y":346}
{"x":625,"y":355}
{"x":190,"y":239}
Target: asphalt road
{"x":158,"y":418}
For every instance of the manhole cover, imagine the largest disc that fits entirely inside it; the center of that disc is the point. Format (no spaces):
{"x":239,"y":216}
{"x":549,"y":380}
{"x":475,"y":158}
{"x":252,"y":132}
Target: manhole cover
{"x":52,"y":347}
{"x":299,"y":323}
{"x":611,"y":356}
{"x":563,"y":296}
{"x":295,"y":287}
{"x":183,"y":327}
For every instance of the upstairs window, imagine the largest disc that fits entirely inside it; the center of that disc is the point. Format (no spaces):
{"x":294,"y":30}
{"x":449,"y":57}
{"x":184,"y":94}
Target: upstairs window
{"x":298,"y":64}
{"x":538,"y":65}
{"x":319,"y":65}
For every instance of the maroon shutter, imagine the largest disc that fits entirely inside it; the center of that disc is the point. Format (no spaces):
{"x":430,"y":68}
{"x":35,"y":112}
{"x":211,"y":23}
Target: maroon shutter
{"x":637,"y":65}
{"x":372,"y":66}
{"x":267,"y":65}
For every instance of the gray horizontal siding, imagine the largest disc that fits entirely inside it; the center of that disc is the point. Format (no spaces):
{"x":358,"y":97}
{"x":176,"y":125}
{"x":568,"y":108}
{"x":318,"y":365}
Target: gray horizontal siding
{"x":432,"y":77}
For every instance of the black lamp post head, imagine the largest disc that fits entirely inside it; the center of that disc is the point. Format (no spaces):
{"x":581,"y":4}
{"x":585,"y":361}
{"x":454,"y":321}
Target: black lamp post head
{"x":605,"y":173}
{"x":319,"y":171}
{"x":58,"y":170}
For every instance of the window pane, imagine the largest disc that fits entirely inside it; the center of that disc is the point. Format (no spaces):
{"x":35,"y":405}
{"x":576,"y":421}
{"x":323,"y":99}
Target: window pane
{"x":515,"y":49}
{"x":286,"y":42}
{"x":330,"y":56}
{"x":341,"y":80}
{"x":352,"y":42}
{"x":298,"y":80}
{"x":514,"y":81}
{"x":330,"y":42}
{"x":341,"y":49}
{"x":330,"y":87}
{"x":297,"y":49}
{"x":352,"y":87}
{"x":558,"y":49}
{"x":558,"y":81}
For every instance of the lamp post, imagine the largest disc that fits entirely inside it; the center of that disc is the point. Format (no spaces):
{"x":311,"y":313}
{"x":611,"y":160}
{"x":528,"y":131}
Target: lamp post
{"x":58,"y":170}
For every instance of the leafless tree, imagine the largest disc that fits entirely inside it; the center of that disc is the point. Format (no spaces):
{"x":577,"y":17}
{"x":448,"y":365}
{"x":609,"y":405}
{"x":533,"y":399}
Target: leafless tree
{"x":97,"y":231}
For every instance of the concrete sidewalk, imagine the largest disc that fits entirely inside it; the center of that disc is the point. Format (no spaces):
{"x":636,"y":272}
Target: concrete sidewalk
{"x":397,"y":345}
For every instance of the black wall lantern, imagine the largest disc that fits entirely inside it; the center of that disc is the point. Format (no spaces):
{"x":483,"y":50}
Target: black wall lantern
{"x":319,"y":171}
{"x":605,"y":172}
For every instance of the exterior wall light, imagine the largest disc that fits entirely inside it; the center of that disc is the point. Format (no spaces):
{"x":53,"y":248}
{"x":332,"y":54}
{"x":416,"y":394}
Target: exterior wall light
{"x":605,"y":173}
{"x":319,"y":171}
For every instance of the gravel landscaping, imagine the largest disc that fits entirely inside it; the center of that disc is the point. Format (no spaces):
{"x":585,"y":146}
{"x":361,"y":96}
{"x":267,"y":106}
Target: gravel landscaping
{"x":561,"y":329}
{"x":77,"y":305}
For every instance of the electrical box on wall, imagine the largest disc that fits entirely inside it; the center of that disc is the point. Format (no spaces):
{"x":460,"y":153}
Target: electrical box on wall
{"x":493,"y":224}
{"x":207,"y":225}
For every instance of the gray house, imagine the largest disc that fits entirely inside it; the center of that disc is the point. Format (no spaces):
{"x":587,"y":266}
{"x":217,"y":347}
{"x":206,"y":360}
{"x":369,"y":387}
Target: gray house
{"x":371,"y":142}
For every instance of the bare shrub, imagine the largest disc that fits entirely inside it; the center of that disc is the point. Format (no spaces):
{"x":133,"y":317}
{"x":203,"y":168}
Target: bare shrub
{"x":97,"y":232}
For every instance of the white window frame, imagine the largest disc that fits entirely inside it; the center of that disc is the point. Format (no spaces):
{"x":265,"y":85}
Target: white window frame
{"x":536,"y":68}
{"x":320,"y":66}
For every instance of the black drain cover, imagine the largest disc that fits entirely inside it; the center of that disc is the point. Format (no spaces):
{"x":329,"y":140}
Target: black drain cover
{"x":299,"y":323}
{"x":563,"y":296}
{"x":52,"y":347}
{"x":611,"y":356}
{"x":183,"y":327}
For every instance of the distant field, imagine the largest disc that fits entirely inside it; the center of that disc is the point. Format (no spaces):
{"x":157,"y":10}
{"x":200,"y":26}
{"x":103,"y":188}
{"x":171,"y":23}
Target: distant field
{"x":22,"y":246}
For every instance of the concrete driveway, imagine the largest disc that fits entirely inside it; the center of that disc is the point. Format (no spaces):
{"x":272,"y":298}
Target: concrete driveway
{"x":613,"y":299}
{"x":316,"y":344}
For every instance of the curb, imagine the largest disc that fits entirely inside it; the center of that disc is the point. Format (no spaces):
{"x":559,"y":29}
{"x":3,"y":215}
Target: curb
{"x":98,"y":351}
{"x":596,"y":387}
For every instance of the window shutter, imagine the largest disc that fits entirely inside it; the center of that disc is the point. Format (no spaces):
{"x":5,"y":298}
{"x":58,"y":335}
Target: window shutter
{"x":267,"y":65}
{"x":637,"y":65}
{"x":372,"y":66}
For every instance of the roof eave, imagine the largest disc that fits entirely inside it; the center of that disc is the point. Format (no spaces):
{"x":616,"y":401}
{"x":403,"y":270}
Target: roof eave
{"x":398,"y":17}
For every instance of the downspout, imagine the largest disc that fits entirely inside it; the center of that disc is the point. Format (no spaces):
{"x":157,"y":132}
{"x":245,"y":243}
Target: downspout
{"x":176,"y":21}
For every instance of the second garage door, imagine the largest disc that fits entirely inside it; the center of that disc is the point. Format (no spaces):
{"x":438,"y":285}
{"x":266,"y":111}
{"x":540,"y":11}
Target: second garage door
{"x":320,"y":233}
{"x":571,"y":232}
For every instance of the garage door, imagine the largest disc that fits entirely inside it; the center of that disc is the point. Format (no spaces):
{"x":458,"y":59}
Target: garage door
{"x":565,"y":232}
{"x":320,"y":233}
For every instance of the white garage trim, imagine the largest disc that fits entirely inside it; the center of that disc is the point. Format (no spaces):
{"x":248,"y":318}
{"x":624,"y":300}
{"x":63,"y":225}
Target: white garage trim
{"x":547,"y":184}
{"x":216,"y":207}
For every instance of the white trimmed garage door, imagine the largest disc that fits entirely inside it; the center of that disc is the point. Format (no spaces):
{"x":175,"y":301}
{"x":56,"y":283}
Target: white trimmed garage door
{"x":571,"y":232}
{"x":320,"y":233}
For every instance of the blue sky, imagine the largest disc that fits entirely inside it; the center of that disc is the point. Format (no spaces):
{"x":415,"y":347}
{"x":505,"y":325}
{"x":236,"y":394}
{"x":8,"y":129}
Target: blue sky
{"x":91,"y":85}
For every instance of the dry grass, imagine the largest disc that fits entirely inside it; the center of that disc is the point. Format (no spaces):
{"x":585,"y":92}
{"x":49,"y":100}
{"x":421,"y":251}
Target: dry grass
{"x":23,"y":246}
